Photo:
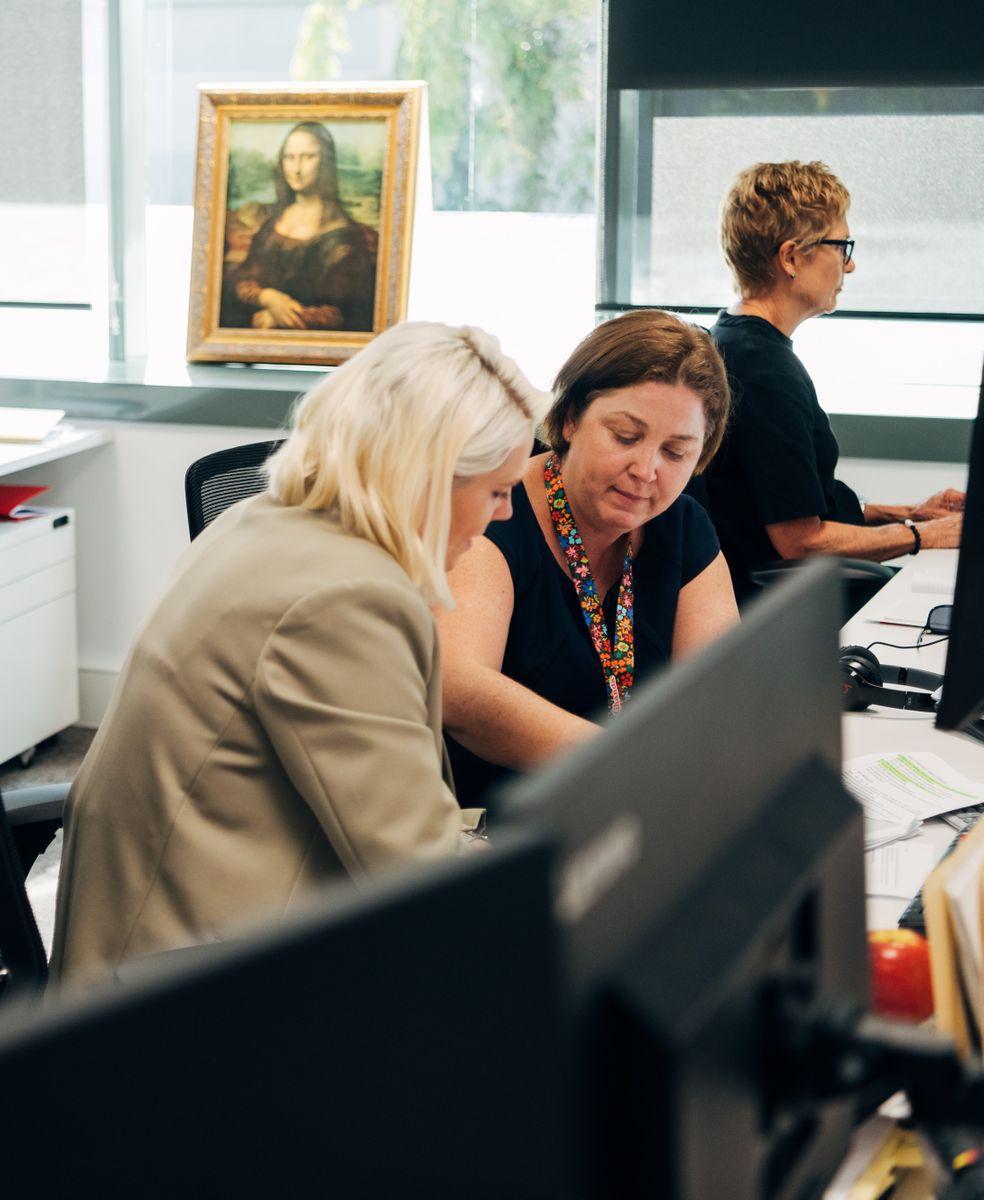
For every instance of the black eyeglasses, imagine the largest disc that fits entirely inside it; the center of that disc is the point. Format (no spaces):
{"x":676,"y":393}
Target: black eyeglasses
{"x":846,"y":246}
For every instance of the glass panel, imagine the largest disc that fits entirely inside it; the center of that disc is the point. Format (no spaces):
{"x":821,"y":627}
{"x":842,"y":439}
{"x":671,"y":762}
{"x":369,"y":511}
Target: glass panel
{"x":42,"y":184}
{"x":512,"y":85}
{"x":511,"y":100}
{"x":911,"y":159}
{"x":54,"y":277}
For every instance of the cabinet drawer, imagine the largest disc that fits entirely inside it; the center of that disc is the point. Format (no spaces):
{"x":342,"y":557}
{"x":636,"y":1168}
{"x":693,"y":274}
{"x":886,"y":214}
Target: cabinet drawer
{"x":36,"y":590}
{"x":39,"y":674}
{"x":25,"y":556}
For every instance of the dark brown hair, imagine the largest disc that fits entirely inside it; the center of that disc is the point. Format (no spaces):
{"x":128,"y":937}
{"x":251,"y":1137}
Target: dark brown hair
{"x":326,"y":181}
{"x":647,"y":344}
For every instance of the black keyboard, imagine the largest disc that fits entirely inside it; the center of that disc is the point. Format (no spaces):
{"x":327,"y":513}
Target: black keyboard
{"x":963,"y":820}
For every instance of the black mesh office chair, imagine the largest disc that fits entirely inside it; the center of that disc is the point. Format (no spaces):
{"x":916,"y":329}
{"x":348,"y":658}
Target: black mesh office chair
{"x":215,"y":482}
{"x":29,"y":819}
{"x":860,"y":578}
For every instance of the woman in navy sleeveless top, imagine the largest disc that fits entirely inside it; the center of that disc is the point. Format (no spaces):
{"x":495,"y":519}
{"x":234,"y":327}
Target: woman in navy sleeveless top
{"x":605,"y":571}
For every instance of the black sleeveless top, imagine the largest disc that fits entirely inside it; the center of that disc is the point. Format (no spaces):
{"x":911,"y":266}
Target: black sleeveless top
{"x":548,"y":647}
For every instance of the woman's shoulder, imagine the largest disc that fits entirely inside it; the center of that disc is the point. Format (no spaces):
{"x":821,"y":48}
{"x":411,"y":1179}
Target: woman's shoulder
{"x":311,"y":547}
{"x":684,"y":533}
{"x":343,"y":231}
{"x":268,"y":229}
{"x":685,"y":512}
{"x":519,"y":539}
{"x":762,"y":372}
{"x":750,"y":346}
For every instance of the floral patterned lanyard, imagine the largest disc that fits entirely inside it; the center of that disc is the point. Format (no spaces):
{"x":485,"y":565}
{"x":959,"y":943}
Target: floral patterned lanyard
{"x":618,"y":665}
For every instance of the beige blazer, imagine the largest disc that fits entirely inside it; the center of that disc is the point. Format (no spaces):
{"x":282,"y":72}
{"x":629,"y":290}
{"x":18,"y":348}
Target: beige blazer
{"x":277,"y":724}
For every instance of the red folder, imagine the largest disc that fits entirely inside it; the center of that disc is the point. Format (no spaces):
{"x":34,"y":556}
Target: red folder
{"x":13,"y":501}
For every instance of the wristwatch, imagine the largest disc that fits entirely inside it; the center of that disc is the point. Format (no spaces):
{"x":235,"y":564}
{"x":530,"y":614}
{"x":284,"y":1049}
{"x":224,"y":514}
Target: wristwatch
{"x":917,"y":536}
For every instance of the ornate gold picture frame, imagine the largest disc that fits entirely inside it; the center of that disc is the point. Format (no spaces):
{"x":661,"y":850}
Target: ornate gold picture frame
{"x":303,"y":220}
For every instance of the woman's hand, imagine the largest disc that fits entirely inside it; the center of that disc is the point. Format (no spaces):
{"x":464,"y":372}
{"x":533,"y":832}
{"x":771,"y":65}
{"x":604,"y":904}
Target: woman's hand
{"x":262,"y":319}
{"x":943,"y":533}
{"x":285,"y":310}
{"x":942,"y":504}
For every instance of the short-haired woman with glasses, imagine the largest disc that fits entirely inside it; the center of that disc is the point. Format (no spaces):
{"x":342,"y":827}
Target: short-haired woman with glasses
{"x":772,"y":490}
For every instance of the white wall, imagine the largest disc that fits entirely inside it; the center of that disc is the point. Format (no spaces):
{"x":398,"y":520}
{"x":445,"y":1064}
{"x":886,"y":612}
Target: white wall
{"x":900,"y":482}
{"x":131,"y":525}
{"x":130,"y":529}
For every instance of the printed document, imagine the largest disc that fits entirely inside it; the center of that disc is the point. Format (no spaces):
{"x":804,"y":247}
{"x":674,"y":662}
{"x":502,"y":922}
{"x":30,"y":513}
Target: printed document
{"x":902,"y":788}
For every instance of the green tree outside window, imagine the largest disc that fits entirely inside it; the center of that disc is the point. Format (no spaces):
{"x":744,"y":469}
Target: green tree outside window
{"x":511,"y":93}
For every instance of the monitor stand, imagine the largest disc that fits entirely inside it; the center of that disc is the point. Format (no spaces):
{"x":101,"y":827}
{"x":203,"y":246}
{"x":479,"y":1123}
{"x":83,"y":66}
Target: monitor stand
{"x":975,"y":730}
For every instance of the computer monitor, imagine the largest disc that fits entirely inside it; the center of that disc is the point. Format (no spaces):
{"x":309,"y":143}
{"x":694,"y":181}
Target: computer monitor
{"x":707,"y":851}
{"x":404,"y":1042}
{"x":962,"y":700}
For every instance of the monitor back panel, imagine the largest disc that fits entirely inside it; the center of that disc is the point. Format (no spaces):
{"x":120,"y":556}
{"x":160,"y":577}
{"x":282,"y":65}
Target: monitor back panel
{"x":687,"y":766}
{"x":963,"y":685}
{"x":400,"y":1044}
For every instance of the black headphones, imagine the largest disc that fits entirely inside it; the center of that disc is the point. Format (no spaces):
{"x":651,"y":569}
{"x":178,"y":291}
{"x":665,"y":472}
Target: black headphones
{"x":863,"y":680}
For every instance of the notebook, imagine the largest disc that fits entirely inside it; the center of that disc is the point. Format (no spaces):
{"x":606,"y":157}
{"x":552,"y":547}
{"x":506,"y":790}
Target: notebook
{"x":28,"y":424}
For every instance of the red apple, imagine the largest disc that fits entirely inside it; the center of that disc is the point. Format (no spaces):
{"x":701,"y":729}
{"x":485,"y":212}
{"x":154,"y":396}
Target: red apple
{"x":898,"y":960}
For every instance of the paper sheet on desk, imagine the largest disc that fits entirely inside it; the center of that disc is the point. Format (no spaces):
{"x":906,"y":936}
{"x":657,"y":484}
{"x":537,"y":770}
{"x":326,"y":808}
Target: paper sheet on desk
{"x":935,"y":581}
{"x":28,"y":424}
{"x":906,"y":787}
{"x":882,"y":1154}
{"x":898,"y":870}
{"x":912,"y":611}
{"x":880,"y":833}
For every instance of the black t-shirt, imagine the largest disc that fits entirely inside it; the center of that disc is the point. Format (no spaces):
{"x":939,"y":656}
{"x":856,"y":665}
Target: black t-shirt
{"x":779,"y":455}
{"x":548,"y":647}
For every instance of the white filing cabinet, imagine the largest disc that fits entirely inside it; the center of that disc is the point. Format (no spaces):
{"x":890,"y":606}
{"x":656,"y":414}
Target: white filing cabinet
{"x":39,"y":673}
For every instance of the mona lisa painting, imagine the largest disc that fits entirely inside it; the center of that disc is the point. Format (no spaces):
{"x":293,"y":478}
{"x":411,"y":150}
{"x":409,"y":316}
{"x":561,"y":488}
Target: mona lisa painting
{"x":303,"y":220}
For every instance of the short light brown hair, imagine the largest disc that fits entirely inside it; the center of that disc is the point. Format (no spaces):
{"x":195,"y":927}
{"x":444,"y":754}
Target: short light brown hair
{"x":772,"y":203}
{"x":639,"y":346}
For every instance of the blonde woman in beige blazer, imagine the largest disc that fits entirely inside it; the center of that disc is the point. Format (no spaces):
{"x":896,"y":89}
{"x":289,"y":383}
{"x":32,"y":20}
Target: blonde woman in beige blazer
{"x":278,"y":721}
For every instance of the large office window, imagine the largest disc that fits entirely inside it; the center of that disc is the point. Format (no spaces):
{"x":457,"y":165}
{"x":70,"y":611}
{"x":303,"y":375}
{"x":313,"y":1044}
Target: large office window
{"x":511,"y":86}
{"x":892,"y":101}
{"x":42,"y":184}
{"x":510,"y":242}
{"x":54,"y":277}
{"x":911,"y":159}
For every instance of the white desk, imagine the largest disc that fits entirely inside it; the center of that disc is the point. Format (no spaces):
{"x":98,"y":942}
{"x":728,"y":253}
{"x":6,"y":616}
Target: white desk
{"x":882,"y":729}
{"x":37,"y":605}
{"x":60,"y":443}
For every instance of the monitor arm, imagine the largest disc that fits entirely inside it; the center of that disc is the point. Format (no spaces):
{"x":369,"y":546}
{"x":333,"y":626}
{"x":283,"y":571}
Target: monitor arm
{"x":818,"y":1053}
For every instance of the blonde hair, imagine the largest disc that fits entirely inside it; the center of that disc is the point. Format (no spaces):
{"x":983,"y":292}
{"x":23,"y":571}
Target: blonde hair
{"x":772,"y":203}
{"x":380,"y":441}
{"x":647,"y":344}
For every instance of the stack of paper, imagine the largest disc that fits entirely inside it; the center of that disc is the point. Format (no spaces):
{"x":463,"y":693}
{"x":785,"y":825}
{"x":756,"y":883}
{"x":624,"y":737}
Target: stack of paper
{"x":930,"y":587}
{"x":28,"y":424}
{"x":953,"y":897}
{"x":935,"y":581}
{"x":907,"y":787}
{"x":898,"y":792}
{"x":882,"y":1157}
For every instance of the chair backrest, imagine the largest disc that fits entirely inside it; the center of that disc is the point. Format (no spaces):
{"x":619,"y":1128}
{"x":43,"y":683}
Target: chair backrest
{"x":215,"y":482}
{"x":23,"y":963}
